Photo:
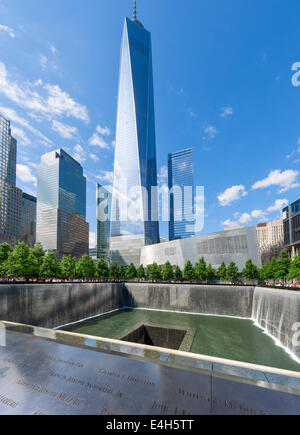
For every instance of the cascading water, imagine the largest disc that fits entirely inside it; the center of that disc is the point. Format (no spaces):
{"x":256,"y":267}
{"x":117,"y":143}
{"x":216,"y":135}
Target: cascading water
{"x":278,"y":312}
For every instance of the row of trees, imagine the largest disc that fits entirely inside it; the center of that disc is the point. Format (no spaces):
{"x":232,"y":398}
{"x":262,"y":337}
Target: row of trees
{"x":23,"y":262}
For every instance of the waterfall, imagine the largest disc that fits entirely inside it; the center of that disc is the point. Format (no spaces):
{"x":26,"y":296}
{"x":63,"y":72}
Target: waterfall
{"x":277,"y":312}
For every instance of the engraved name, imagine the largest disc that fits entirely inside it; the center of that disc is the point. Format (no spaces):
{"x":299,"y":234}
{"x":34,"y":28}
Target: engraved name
{"x":8,"y":402}
{"x":125,"y":377}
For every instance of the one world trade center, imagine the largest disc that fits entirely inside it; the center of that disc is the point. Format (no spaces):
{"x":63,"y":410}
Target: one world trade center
{"x":134,"y":213}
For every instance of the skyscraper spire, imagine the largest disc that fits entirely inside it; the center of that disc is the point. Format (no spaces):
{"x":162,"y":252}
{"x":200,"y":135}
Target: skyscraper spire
{"x":134,"y":19}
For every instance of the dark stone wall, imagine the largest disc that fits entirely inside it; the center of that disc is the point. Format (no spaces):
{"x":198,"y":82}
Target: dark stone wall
{"x":204,"y":299}
{"x":58,"y":304}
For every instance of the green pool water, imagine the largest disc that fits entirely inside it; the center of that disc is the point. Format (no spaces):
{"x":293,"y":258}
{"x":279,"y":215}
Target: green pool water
{"x":223,"y":337}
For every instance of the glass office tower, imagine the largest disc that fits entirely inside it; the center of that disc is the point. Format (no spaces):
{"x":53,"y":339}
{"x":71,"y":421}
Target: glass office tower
{"x":10,"y":195}
{"x":28,"y":225}
{"x":61,"y":205}
{"x":103,"y":197}
{"x":134,"y":201}
{"x":182,"y":192}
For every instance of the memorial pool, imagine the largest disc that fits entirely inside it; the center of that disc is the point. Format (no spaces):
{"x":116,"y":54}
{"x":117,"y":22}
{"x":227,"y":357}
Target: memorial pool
{"x":223,"y":337}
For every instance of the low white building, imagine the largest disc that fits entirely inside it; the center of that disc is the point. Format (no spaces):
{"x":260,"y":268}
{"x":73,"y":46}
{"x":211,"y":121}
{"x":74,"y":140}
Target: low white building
{"x":238,"y":245}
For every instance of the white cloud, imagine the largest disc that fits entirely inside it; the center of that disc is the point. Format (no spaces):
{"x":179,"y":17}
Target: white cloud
{"x":98,"y":141}
{"x":105,"y":131}
{"x":106,"y":176}
{"x":79,"y":154}
{"x":259,"y":214}
{"x":52,"y":49}
{"x":229,"y":223}
{"x":13,"y":116}
{"x":94,"y":157}
{"x":286,"y":180}
{"x":278,"y":205}
{"x":244,"y":218}
{"x":92,"y":240}
{"x":211,"y":132}
{"x":60,"y":103}
{"x":226,"y":111}
{"x":163,"y":174}
{"x":8,"y":30}
{"x":64,"y":130}
{"x":43,"y":61}
{"x":38,"y":82}
{"x":231,"y":194}
{"x":24,"y":174}
{"x":55,"y":102}
{"x":295,"y":152}
{"x":20,"y":135}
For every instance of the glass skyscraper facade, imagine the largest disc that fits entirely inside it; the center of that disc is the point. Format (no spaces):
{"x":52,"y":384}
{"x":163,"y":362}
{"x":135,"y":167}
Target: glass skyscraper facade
{"x":10,"y":195}
{"x":61,"y":205}
{"x":28,"y":226}
{"x":182,"y":193}
{"x":134,"y":197}
{"x":103,"y":198}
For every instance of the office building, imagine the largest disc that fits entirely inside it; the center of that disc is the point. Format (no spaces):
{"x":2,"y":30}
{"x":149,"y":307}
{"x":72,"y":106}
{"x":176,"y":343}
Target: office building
{"x":291,"y":224}
{"x":28,"y":222}
{"x":103,"y":197}
{"x":10,"y":195}
{"x":61,"y":205}
{"x":182,"y":193}
{"x":134,"y":196}
{"x":270,"y":234}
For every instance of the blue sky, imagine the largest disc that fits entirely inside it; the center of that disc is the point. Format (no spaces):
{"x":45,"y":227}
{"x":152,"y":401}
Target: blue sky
{"x":222,"y":83}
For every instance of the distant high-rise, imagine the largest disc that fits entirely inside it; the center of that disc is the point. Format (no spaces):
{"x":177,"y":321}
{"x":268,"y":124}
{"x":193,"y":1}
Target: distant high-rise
{"x":10,"y":195}
{"x":61,"y":205}
{"x":103,"y":197}
{"x":28,"y":223}
{"x":182,"y":192}
{"x":134,"y":201}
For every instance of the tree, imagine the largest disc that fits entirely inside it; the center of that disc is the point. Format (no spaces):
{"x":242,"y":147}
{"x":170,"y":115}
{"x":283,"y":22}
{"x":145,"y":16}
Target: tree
{"x":153,"y":272}
{"x":38,"y":252}
{"x":188,"y":272}
{"x":5,"y":251}
{"x":102,"y":269}
{"x":131,"y":272}
{"x":20,"y":263}
{"x":114,"y":271}
{"x":222,"y":272}
{"x":211,"y":273}
{"x":167,"y":272}
{"x":273,"y":267}
{"x":50,"y":267}
{"x":294,"y":272}
{"x":201,"y":270}
{"x":122,"y":273}
{"x":267,"y":271}
{"x":85,"y":268}
{"x":283,"y":265}
{"x":141,"y":272}
{"x":68,"y":267}
{"x":178,"y":274}
{"x":232,"y":272}
{"x":251,"y":271}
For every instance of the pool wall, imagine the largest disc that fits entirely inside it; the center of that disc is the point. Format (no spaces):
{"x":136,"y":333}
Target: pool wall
{"x":53,"y":305}
{"x":204,"y":299}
